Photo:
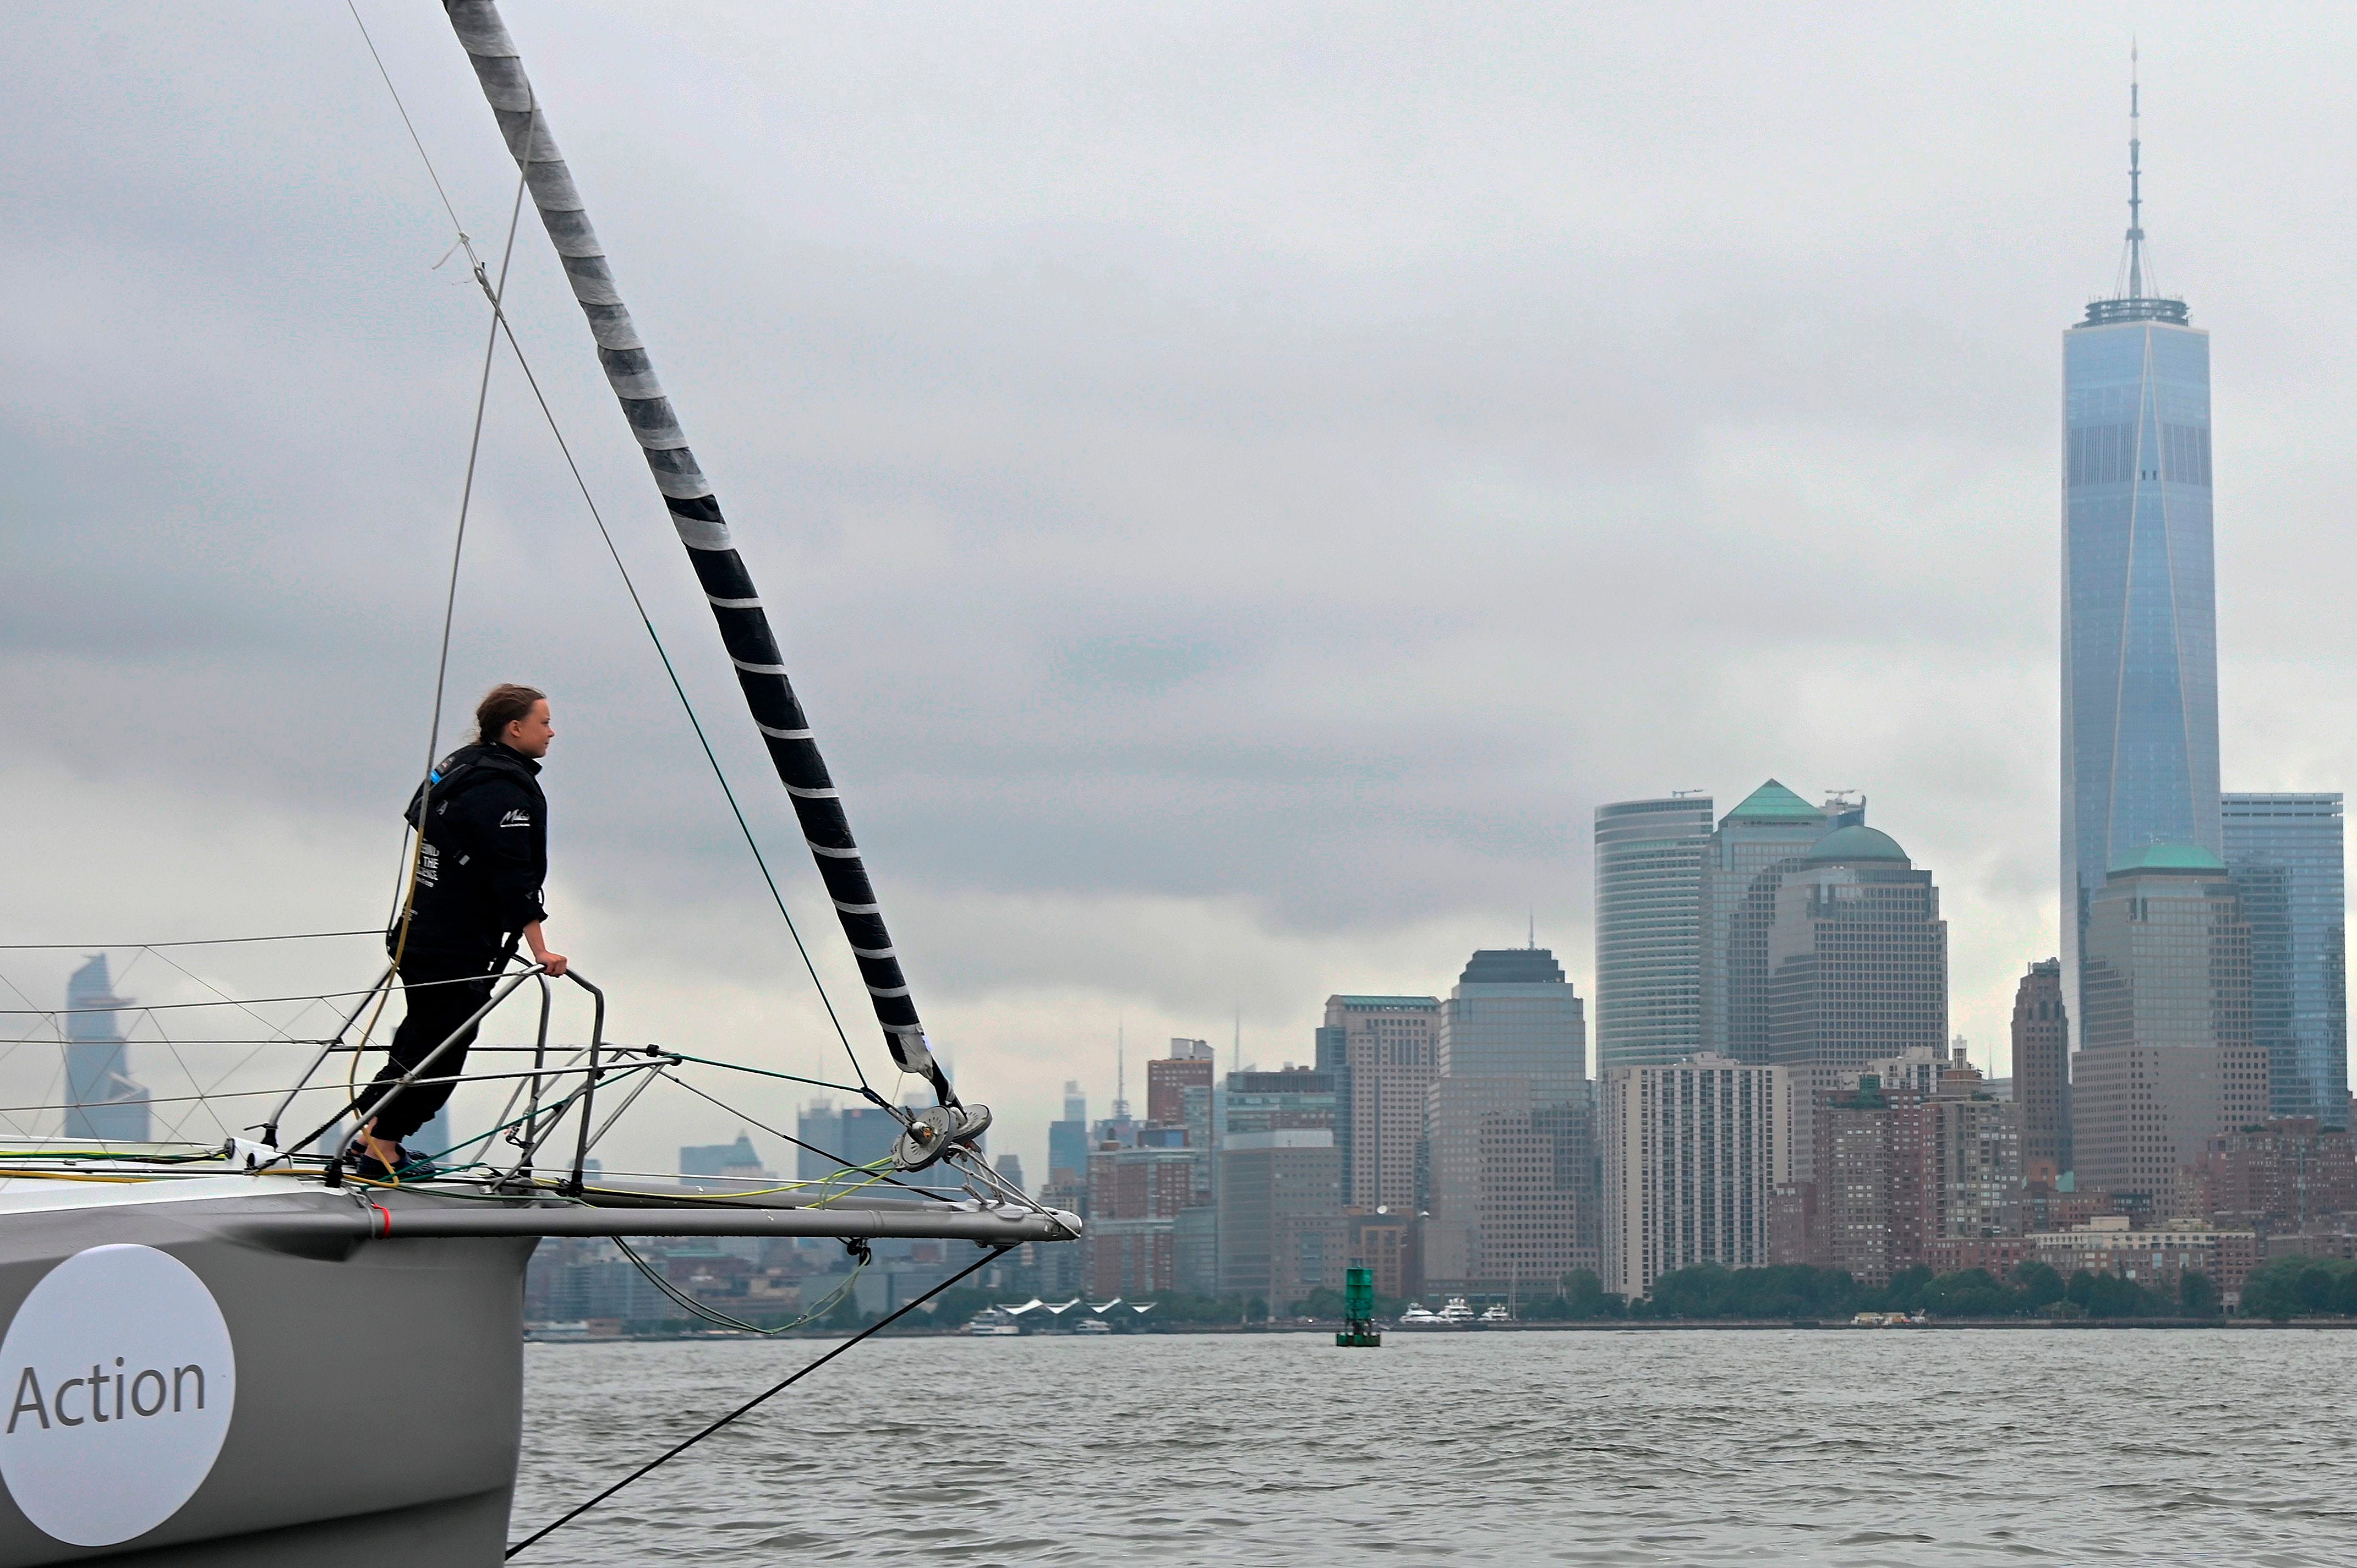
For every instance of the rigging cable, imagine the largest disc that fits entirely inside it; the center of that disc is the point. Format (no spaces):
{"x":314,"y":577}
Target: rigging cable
{"x":191,"y":942}
{"x":772,"y":1392}
{"x":449,"y":615}
{"x":564,"y":446}
{"x":715,"y":1315}
{"x":229,"y":1002}
{"x":224,"y":995}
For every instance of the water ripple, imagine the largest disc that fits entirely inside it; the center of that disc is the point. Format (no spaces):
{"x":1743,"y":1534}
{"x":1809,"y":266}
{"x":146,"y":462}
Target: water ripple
{"x":1884,"y":1450}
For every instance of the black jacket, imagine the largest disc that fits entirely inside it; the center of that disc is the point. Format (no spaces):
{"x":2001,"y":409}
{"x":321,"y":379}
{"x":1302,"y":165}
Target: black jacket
{"x":479,"y":871}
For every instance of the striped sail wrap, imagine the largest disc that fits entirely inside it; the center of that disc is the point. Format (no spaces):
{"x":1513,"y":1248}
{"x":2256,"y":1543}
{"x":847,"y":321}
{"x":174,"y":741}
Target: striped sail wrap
{"x":695,"y":514}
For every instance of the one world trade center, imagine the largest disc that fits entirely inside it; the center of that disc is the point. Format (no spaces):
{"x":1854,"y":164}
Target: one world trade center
{"x":2139,"y":598}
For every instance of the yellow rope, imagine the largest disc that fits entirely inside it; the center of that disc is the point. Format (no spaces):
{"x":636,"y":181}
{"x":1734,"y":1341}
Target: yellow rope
{"x":847,"y":1191}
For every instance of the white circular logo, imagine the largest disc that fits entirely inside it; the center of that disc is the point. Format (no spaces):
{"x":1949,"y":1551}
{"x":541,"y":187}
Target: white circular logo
{"x":120,"y":1379}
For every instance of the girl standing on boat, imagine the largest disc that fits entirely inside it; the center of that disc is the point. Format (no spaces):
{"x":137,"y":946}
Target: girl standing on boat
{"x":482,"y":857}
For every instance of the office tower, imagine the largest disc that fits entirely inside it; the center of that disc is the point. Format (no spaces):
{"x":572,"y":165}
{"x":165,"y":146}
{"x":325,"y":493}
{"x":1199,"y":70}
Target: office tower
{"x":1681,"y":917}
{"x":1858,"y":969}
{"x":2165,"y":1059}
{"x":1511,"y":1047}
{"x":2285,"y":853}
{"x":1458,"y":1112}
{"x":1513,"y":1015}
{"x":1538,"y":1190}
{"x":1296,"y":1098}
{"x":1652,"y":929}
{"x":1011,"y":1171}
{"x":1167,"y":1080}
{"x":1195,"y":1247}
{"x":1067,"y":1140}
{"x":101,"y":1101}
{"x":2139,"y":601}
{"x":1692,"y":1155}
{"x":1281,"y":1232}
{"x":1130,"y":1247}
{"x":820,"y":1129}
{"x":1179,"y":1107}
{"x":1769,"y":834}
{"x":2042,"y":1069}
{"x":1198,"y":1108}
{"x":1380,"y":1051}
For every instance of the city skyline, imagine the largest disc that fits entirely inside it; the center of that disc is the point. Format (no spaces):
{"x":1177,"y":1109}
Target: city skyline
{"x":1283,"y":559}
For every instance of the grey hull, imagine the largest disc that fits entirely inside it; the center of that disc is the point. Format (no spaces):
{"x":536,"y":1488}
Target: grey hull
{"x":378,"y":1345}
{"x":378,"y":1394}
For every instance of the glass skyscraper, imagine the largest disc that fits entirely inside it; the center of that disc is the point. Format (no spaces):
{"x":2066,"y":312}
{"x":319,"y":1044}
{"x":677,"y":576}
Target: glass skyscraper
{"x":2285,"y":853}
{"x":1769,"y":834}
{"x":1681,"y":917}
{"x":2140,"y":602}
{"x":1067,"y":1140}
{"x":102,"y":1099}
{"x":1513,"y":1015}
{"x":1652,"y":871}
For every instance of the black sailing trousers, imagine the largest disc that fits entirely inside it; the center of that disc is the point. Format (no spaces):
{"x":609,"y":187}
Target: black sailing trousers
{"x":442,"y":991}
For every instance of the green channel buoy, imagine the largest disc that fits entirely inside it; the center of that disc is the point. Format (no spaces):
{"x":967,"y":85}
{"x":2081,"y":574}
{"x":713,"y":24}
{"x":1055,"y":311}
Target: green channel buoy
{"x":1359,"y":1311}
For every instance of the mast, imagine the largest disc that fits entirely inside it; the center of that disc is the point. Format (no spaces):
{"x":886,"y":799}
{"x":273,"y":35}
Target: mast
{"x":703,"y":532}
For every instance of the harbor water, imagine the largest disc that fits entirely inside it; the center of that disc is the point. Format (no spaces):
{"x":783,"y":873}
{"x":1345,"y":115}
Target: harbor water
{"x":1709,"y":1446}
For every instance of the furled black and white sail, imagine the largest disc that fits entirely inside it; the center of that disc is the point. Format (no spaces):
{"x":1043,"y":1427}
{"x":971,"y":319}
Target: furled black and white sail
{"x":695,"y":513}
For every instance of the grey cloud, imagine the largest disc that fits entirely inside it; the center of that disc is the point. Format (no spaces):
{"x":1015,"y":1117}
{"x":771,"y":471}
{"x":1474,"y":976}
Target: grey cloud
{"x":1237,"y":484}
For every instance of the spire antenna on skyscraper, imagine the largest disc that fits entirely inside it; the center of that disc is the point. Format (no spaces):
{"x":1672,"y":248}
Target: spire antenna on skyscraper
{"x":2134,"y":297}
{"x":2135,"y":182}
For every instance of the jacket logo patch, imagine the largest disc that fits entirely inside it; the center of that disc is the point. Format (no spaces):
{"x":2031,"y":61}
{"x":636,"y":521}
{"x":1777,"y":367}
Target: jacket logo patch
{"x":516,"y":818}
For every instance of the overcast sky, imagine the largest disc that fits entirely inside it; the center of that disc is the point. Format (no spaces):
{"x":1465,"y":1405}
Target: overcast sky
{"x":1237,"y":485}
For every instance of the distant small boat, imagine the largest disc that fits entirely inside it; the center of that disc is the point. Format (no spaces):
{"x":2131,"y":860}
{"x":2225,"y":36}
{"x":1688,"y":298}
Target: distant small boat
{"x":1420,"y":1315}
{"x":1092,"y":1326}
{"x":1456,"y":1313}
{"x":1497,"y":1312}
{"x":993,"y":1323}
